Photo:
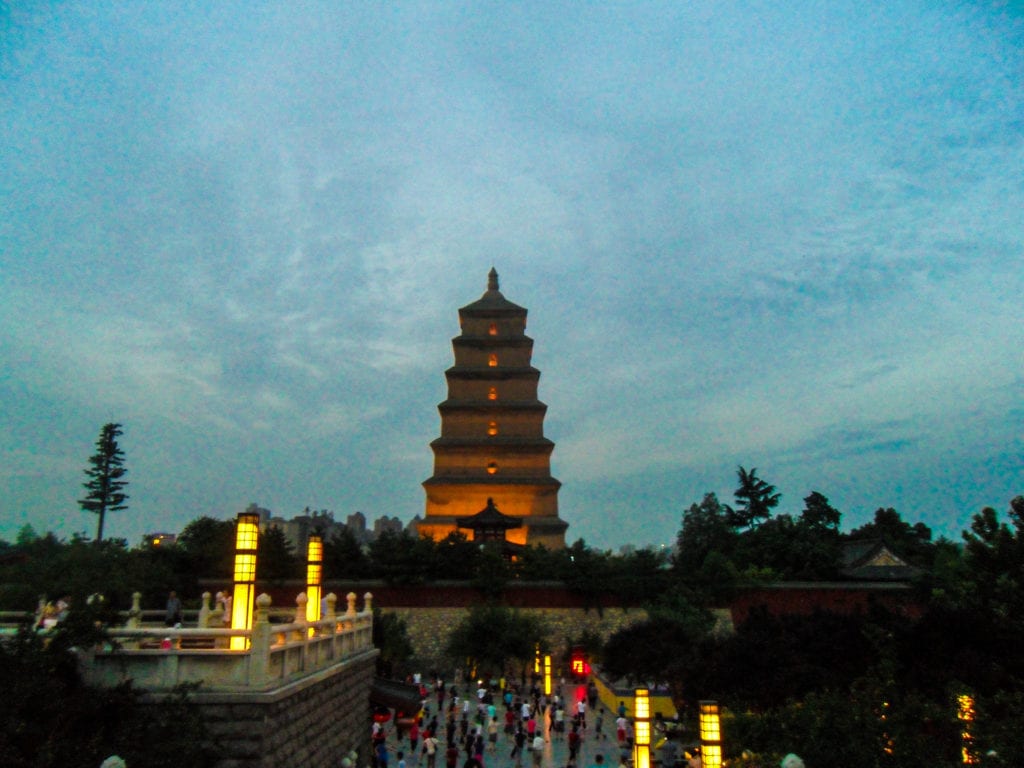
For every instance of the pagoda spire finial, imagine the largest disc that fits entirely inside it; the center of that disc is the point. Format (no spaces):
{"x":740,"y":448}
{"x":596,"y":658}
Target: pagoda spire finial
{"x":492,"y":280}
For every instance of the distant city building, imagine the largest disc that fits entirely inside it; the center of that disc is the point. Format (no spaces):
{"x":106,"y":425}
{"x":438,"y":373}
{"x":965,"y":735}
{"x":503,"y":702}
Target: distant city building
{"x":387,"y":524}
{"x":160,"y":539}
{"x":298,"y":529}
{"x":492,"y":444}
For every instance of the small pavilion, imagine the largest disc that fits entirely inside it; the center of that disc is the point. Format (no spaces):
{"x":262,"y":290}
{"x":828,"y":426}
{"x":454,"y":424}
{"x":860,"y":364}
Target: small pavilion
{"x":490,"y":525}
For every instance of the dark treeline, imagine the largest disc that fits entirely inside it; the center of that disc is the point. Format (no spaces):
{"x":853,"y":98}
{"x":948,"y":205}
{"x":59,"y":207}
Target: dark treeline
{"x":718,"y":547}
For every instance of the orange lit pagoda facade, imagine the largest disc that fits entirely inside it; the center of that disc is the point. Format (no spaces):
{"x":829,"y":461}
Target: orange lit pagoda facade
{"x":492,"y":451}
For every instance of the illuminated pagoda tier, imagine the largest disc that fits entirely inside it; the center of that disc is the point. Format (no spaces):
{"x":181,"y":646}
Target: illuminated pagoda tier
{"x":492,"y":448}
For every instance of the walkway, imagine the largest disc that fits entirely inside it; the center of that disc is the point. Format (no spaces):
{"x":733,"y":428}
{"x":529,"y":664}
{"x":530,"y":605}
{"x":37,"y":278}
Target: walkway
{"x":556,"y":752}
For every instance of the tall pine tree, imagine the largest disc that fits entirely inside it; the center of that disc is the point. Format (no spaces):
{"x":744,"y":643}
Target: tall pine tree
{"x":105,"y":486}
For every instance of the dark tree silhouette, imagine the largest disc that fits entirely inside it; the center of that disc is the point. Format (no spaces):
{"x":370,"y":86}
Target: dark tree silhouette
{"x":106,"y":468}
{"x":755,"y":499}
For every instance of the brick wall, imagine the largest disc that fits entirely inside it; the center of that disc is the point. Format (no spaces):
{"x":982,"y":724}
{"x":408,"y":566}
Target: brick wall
{"x":429,"y":627}
{"x":310,"y":724}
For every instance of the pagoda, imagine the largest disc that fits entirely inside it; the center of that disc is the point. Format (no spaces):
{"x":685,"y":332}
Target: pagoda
{"x":492,"y":448}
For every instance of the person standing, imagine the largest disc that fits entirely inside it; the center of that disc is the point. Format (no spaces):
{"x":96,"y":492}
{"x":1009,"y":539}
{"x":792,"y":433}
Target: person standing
{"x":226,"y":605}
{"x":451,"y":755}
{"x":574,"y":743}
{"x":430,"y":749}
{"x":537,"y":750}
{"x":519,"y":740}
{"x":173,"y":616}
{"x":414,"y":735}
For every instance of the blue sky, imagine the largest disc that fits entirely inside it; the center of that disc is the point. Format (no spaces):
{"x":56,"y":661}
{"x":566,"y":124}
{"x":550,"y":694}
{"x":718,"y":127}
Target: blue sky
{"x":778,"y":235}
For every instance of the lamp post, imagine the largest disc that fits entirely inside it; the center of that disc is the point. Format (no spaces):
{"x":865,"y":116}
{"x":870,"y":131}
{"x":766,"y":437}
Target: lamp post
{"x":247,"y":534}
{"x":642,"y":728}
{"x":710,"y":735}
{"x":547,"y":675}
{"x":965,"y":714}
{"x":314,"y":577}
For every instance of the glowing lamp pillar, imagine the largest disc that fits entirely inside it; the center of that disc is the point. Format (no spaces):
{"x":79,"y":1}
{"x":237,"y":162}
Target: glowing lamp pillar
{"x":314,"y":576}
{"x":642,"y":728}
{"x":247,"y":534}
{"x":965,"y":714}
{"x":547,"y":675}
{"x":710,"y":735}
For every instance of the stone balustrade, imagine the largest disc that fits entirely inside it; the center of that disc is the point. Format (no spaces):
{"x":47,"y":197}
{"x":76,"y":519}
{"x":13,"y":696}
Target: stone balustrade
{"x":279,"y":651}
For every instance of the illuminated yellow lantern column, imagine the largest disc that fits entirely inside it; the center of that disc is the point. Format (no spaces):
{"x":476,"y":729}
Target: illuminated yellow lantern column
{"x":247,"y":535}
{"x":314,"y":575}
{"x":547,"y":675}
{"x":965,"y":714}
{"x":710,"y":735}
{"x":642,"y":728}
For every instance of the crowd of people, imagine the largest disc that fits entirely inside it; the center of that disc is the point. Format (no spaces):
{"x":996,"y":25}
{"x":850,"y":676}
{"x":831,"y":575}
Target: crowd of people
{"x":502,"y":724}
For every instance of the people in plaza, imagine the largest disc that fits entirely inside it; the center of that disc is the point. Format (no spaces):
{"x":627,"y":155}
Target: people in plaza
{"x":519,"y":740}
{"x":558,"y":721}
{"x":537,"y":750}
{"x":451,"y":755}
{"x":581,"y":713}
{"x":598,"y":761}
{"x":478,"y":746}
{"x":381,"y":753}
{"x":574,"y":742}
{"x":492,"y":734}
{"x":430,"y":744}
{"x":173,"y":612}
{"x":620,"y":727}
{"x":224,"y":604}
{"x":414,"y":736}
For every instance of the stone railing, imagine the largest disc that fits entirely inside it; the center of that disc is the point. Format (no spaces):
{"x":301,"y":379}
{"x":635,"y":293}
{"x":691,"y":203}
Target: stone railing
{"x":160,"y":658}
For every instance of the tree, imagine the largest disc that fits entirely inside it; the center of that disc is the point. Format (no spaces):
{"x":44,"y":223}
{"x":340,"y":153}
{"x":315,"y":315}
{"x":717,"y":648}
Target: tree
{"x":667,"y":647}
{"x":391,"y":637}
{"x":493,"y":635}
{"x":704,"y":530}
{"x":755,"y":499}
{"x":106,"y":468}
{"x":208,"y":546}
{"x":343,"y":557}
{"x":275,"y":558}
{"x":818,"y":513}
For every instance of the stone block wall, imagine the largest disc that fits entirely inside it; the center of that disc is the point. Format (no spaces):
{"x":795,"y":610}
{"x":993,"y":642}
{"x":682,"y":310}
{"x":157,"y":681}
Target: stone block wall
{"x":429,"y":628}
{"x":312,"y":723}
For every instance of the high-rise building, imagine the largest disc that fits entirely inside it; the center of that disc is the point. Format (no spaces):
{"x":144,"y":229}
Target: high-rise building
{"x":492,"y":444}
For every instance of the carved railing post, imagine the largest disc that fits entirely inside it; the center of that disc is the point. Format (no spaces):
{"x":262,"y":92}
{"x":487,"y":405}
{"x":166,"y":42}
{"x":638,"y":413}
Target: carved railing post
{"x":259,"y":646}
{"x":134,"y":620}
{"x":366,"y":639}
{"x":135,"y":612}
{"x":332,"y":603}
{"x":300,"y":615}
{"x":204,"y":611}
{"x":351,"y":597}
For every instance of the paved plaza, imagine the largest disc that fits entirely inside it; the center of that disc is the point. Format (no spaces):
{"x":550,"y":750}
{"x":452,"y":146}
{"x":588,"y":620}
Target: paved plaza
{"x":499,"y":754}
